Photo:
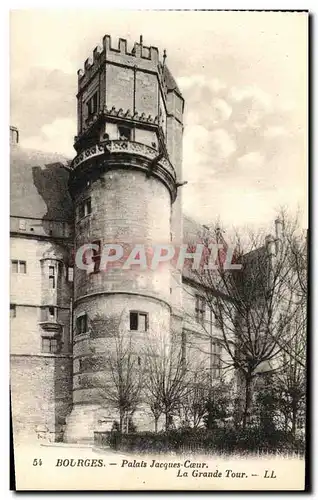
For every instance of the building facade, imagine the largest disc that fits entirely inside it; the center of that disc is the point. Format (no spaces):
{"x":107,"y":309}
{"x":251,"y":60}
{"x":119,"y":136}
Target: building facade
{"x":123,"y":186}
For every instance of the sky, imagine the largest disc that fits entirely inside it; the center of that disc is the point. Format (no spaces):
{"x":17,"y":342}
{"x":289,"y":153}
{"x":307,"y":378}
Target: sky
{"x":244,"y":79}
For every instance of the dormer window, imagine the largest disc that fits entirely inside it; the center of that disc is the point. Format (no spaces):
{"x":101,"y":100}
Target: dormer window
{"x":125,"y":133}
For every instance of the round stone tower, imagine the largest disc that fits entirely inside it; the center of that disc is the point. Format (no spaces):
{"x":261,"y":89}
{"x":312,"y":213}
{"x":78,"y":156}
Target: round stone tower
{"x":124,"y":185}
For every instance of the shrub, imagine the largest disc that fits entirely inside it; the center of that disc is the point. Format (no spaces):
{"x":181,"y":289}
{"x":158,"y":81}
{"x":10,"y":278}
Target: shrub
{"x":224,"y":441}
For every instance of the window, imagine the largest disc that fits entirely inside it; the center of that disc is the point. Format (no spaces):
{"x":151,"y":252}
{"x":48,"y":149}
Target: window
{"x":139,"y":361}
{"x":124,"y":133}
{"x":22,"y":224}
{"x":85,"y":208}
{"x":22,"y":265}
{"x":218,"y":315}
{"x":92,"y":104}
{"x":70,"y":274}
{"x":51,"y":312}
{"x":200,"y":308}
{"x":13,"y":311}
{"x":138,"y":321}
{"x":52,"y":276}
{"x":18,"y":266}
{"x":15,"y":266}
{"x":216,"y":359}
{"x":50,"y":345}
{"x":81,"y":324}
{"x":96,"y":255}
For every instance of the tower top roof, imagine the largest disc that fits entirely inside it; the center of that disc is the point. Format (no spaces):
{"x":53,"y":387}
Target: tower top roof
{"x":143,"y":56}
{"x":170,"y":81}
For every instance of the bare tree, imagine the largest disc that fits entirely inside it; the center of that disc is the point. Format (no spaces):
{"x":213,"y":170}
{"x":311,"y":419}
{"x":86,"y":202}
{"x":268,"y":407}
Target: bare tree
{"x":290,"y":380}
{"x":255,"y":306}
{"x":123,"y":388}
{"x":193,"y":405}
{"x":166,"y":378}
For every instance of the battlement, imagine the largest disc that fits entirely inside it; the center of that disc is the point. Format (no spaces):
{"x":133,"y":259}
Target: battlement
{"x":140,"y":55}
{"x":138,"y":51}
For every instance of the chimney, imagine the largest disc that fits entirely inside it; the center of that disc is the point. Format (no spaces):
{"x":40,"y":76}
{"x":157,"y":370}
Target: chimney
{"x":278,"y":228}
{"x":278,"y":233}
{"x":14,"y":136}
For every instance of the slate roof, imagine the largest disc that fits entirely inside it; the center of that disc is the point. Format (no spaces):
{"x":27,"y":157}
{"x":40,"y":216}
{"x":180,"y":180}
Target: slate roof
{"x":170,"y":81}
{"x":39,"y":185}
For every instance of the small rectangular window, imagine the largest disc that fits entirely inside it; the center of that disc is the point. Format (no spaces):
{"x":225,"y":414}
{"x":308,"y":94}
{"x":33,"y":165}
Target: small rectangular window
{"x":85,"y":208}
{"x":52,"y":276}
{"x":124,"y":133}
{"x":138,"y":321}
{"x":96,"y":255}
{"x":81,"y":324}
{"x":133,"y":321}
{"x":70,"y":274}
{"x":46,"y":345}
{"x":92,"y":104}
{"x":51,"y":312}
{"x":14,"y":266}
{"x":200,"y":308}
{"x":218,"y":316}
{"x":50,"y":346}
{"x":216,"y":359}
{"x":18,"y":266}
{"x":13,"y":311}
{"x":22,"y":265}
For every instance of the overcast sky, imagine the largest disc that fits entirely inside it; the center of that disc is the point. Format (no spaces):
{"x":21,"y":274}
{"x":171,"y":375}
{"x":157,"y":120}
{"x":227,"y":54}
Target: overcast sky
{"x":243,"y":76}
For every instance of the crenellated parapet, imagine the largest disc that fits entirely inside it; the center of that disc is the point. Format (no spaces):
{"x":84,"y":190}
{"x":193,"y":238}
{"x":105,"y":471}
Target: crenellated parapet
{"x":140,"y":55}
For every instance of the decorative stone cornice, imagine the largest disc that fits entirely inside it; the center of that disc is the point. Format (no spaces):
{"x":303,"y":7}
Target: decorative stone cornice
{"x":125,"y":154}
{"x":51,"y":327}
{"x":114,"y":114}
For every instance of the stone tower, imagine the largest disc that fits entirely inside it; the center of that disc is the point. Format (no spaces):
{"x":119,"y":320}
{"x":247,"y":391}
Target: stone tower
{"x":124,"y":184}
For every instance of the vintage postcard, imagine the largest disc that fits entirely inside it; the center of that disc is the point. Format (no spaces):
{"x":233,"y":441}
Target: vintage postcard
{"x":159,"y":243}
